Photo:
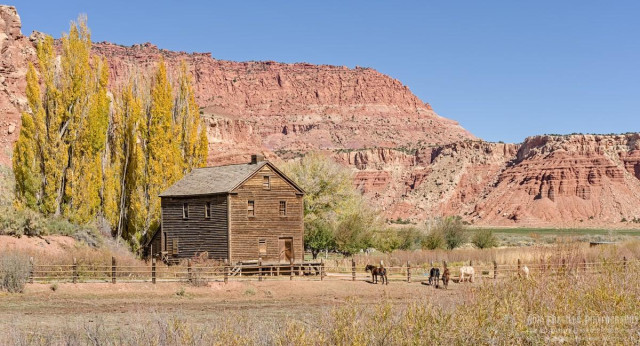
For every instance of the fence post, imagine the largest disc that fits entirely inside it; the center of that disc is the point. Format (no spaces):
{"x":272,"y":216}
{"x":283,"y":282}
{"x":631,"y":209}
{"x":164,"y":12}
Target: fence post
{"x":113,"y":270}
{"x":624,"y":263}
{"x":321,"y":269}
{"x":31,"y":270}
{"x":260,"y":269}
{"x":470,"y":263}
{"x":189,"y":276}
{"x":518,"y":266}
{"x":444,"y":264}
{"x":226,"y":270}
{"x":584,"y":265}
{"x":291,"y":271}
{"x":563,"y":264}
{"x":544,"y":265}
{"x":153,"y":271}
{"x":353,"y":269}
{"x":495,"y":270}
{"x":408,"y":271}
{"x":74,"y":268}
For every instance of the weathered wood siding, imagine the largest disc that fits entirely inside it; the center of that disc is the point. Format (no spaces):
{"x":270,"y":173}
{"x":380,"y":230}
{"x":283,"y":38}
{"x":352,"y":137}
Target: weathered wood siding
{"x":246,"y":232}
{"x":155,"y":244}
{"x":196,"y":233}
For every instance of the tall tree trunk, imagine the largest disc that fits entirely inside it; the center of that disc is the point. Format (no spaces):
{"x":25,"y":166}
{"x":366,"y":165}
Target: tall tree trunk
{"x":122,"y":193}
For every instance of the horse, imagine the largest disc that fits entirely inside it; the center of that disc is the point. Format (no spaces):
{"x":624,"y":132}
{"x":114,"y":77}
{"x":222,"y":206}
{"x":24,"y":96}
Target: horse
{"x":445,"y":278}
{"x":434,"y":276}
{"x":524,"y":272}
{"x":375,"y":272}
{"x":467,"y":272}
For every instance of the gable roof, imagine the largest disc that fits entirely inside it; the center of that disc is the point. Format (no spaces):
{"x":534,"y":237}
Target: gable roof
{"x":220,"y":179}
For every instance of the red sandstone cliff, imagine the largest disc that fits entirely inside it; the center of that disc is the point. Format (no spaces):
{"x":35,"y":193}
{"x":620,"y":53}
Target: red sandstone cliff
{"x":407,"y":159}
{"x":557,"y":181}
{"x":15,"y":50}
{"x":276,"y":107}
{"x":567,"y":181}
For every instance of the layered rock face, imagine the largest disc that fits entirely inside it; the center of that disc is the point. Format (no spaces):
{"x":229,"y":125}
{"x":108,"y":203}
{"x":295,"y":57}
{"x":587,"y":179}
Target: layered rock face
{"x":277,"y":107}
{"x":558,"y":181}
{"x":15,"y":52}
{"x":567,"y":181}
{"x":408,"y":160}
{"x":432,"y":181}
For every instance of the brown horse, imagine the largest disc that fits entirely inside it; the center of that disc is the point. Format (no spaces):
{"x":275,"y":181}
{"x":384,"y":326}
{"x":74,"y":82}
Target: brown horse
{"x":434,"y":277}
{"x":446,"y":275}
{"x":375,"y":272}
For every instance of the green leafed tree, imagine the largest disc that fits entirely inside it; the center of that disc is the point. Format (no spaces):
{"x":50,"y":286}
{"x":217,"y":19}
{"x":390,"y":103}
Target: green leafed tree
{"x":335,"y":213}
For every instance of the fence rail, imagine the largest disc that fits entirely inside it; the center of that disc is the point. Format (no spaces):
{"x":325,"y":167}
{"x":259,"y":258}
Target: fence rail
{"x":198,"y":273}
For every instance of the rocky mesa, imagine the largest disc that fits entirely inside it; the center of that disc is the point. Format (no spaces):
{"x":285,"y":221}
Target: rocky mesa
{"x":407,"y":159}
{"x":276,"y":107}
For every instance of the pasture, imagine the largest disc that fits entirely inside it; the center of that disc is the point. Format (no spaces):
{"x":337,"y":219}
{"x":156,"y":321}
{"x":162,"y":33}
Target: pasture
{"x":574,"y":294}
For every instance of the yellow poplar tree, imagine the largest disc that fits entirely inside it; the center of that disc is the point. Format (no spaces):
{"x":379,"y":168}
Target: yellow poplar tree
{"x":79,"y":158}
{"x":26,"y":159}
{"x":163,"y":155}
{"x":51,"y":130}
{"x":192,"y":130}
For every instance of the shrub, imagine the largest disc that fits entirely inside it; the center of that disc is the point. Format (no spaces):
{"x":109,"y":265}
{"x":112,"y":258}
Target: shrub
{"x":19,"y":222}
{"x":454,"y":232}
{"x":433,"y":240}
{"x":484,"y":238}
{"x":386,"y":240}
{"x":411,"y":238}
{"x":181,"y":292}
{"x":14,"y":272}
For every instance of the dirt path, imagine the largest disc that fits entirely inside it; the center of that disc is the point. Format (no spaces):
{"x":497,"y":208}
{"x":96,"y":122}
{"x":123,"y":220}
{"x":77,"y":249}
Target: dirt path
{"x":272,"y":301}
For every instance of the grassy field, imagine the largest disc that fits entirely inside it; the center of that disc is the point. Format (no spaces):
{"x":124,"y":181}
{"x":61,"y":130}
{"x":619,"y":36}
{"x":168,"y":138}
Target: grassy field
{"x":560,"y":231}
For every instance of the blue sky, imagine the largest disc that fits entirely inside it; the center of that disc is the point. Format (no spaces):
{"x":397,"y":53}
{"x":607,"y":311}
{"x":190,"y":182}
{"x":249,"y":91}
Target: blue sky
{"x":503,"y":69}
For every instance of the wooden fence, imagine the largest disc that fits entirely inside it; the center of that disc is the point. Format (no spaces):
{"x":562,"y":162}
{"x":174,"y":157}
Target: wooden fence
{"x":198,"y":273}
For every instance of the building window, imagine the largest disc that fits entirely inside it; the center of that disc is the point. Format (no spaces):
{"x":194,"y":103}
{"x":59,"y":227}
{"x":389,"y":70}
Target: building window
{"x":283,"y":208}
{"x":207,"y":210}
{"x":185,"y":210}
{"x":262,"y":247}
{"x":266,"y":182}
{"x":251,"y":208}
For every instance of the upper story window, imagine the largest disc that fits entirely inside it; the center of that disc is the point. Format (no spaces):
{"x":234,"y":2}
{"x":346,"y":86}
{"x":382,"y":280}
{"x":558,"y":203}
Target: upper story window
{"x":283,"y":208}
{"x":207,"y":210}
{"x":266,"y":182}
{"x":251,"y":208}
{"x":185,"y":210}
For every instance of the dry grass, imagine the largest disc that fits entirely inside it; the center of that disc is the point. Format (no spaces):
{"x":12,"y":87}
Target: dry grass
{"x":569,"y":249}
{"x":600,"y":308}
{"x":60,"y":250}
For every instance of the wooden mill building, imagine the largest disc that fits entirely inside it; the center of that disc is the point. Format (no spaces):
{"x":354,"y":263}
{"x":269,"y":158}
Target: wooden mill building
{"x":237,"y":212}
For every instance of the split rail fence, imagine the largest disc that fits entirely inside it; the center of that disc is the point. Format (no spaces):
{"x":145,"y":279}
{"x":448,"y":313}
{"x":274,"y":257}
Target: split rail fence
{"x":159,"y":272}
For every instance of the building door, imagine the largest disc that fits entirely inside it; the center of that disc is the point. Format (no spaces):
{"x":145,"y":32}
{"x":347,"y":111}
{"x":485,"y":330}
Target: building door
{"x":286,"y":249}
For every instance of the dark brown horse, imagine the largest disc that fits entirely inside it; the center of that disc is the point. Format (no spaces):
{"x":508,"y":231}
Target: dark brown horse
{"x":446,"y":275}
{"x":375,"y":272}
{"x":434,"y":276}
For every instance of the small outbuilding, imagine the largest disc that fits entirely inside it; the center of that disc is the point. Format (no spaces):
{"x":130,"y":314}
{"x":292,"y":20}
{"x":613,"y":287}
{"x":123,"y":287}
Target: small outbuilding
{"x":236,"y":212}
